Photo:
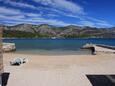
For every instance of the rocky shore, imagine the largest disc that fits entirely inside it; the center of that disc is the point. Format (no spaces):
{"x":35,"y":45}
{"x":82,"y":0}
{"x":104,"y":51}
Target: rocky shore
{"x":8,"y":47}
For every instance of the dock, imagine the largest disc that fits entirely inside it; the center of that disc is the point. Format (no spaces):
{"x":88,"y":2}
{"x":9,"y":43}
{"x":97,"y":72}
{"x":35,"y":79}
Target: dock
{"x":100,"y":48}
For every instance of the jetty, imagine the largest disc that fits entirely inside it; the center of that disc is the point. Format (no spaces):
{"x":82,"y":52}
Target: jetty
{"x":8,"y":47}
{"x":100,"y":48}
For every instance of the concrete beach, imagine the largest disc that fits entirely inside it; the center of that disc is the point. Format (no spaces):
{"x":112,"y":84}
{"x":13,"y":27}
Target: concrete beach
{"x":62,"y":70}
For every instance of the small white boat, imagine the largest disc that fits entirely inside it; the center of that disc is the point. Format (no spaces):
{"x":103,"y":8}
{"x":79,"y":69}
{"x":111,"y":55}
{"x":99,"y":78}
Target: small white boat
{"x":53,"y":37}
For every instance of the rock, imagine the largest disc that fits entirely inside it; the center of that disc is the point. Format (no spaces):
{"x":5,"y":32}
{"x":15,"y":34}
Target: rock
{"x":18,"y":61}
{"x":87,"y":46}
{"x":8,"y":47}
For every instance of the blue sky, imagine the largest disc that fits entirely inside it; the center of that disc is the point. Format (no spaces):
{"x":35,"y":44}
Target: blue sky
{"x":95,"y":13}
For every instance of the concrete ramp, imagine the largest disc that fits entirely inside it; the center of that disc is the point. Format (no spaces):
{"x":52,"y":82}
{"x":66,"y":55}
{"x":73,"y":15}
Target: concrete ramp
{"x":103,"y":49}
{"x":100,"y":48}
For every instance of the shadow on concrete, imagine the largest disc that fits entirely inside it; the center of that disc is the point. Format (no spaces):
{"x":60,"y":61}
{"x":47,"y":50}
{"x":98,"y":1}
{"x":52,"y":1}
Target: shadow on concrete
{"x":5,"y":77}
{"x":102,"y":80}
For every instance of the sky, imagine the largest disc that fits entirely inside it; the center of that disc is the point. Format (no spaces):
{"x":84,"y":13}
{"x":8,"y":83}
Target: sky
{"x":94,"y":13}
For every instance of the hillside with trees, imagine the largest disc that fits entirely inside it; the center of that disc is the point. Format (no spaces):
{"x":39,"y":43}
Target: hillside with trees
{"x":48,"y":31}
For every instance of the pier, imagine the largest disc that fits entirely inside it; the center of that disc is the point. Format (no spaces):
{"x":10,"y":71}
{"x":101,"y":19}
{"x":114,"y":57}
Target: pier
{"x":100,"y":48}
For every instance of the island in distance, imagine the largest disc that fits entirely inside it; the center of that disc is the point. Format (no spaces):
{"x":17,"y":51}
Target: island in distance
{"x":49,"y":31}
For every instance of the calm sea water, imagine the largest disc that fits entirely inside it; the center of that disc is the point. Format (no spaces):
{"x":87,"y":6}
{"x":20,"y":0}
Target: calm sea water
{"x":56,"y":46}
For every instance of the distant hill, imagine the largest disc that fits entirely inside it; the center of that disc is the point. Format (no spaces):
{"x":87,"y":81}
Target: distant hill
{"x":48,"y":31}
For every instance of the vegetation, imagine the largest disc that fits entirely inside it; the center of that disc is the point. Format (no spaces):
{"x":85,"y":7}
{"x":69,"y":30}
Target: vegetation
{"x":48,"y":31}
{"x":22,"y":34}
{"x":76,"y":36}
{"x":17,"y":34}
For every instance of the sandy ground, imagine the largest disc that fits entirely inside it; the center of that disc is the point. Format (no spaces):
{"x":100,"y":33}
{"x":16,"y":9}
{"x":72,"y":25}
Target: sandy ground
{"x":62,"y":70}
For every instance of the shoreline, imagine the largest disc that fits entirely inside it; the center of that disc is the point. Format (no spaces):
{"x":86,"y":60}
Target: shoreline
{"x":54,"y":52}
{"x":57,"y":38}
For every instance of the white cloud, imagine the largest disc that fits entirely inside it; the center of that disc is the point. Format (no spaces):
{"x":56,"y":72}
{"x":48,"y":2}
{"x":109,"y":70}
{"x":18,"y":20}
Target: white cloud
{"x":99,"y":22}
{"x":58,"y":6}
{"x":19,"y":4}
{"x":17,"y":17}
{"x":103,"y":24}
{"x":87,"y":23}
{"x":62,"y":5}
{"x":45,"y":21}
{"x":60,"y":13}
{"x":52,"y":22}
{"x":51,"y":15}
{"x":54,"y":8}
{"x":4,"y":10}
{"x":33,"y":15}
{"x":34,"y":19}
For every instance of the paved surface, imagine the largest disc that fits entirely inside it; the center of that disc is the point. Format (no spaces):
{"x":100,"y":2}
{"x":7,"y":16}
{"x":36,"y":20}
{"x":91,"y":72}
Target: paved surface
{"x":102,"y":49}
{"x":65,"y":70}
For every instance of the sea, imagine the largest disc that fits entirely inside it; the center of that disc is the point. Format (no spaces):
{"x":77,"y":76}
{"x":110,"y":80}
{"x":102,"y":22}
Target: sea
{"x":57,"y":46}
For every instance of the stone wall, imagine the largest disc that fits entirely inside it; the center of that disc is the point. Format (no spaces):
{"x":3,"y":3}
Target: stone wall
{"x":1,"y":57}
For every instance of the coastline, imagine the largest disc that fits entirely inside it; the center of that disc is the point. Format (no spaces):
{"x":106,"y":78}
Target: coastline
{"x":56,"y":38}
{"x":63,"y":70}
{"x":54,"y":52}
